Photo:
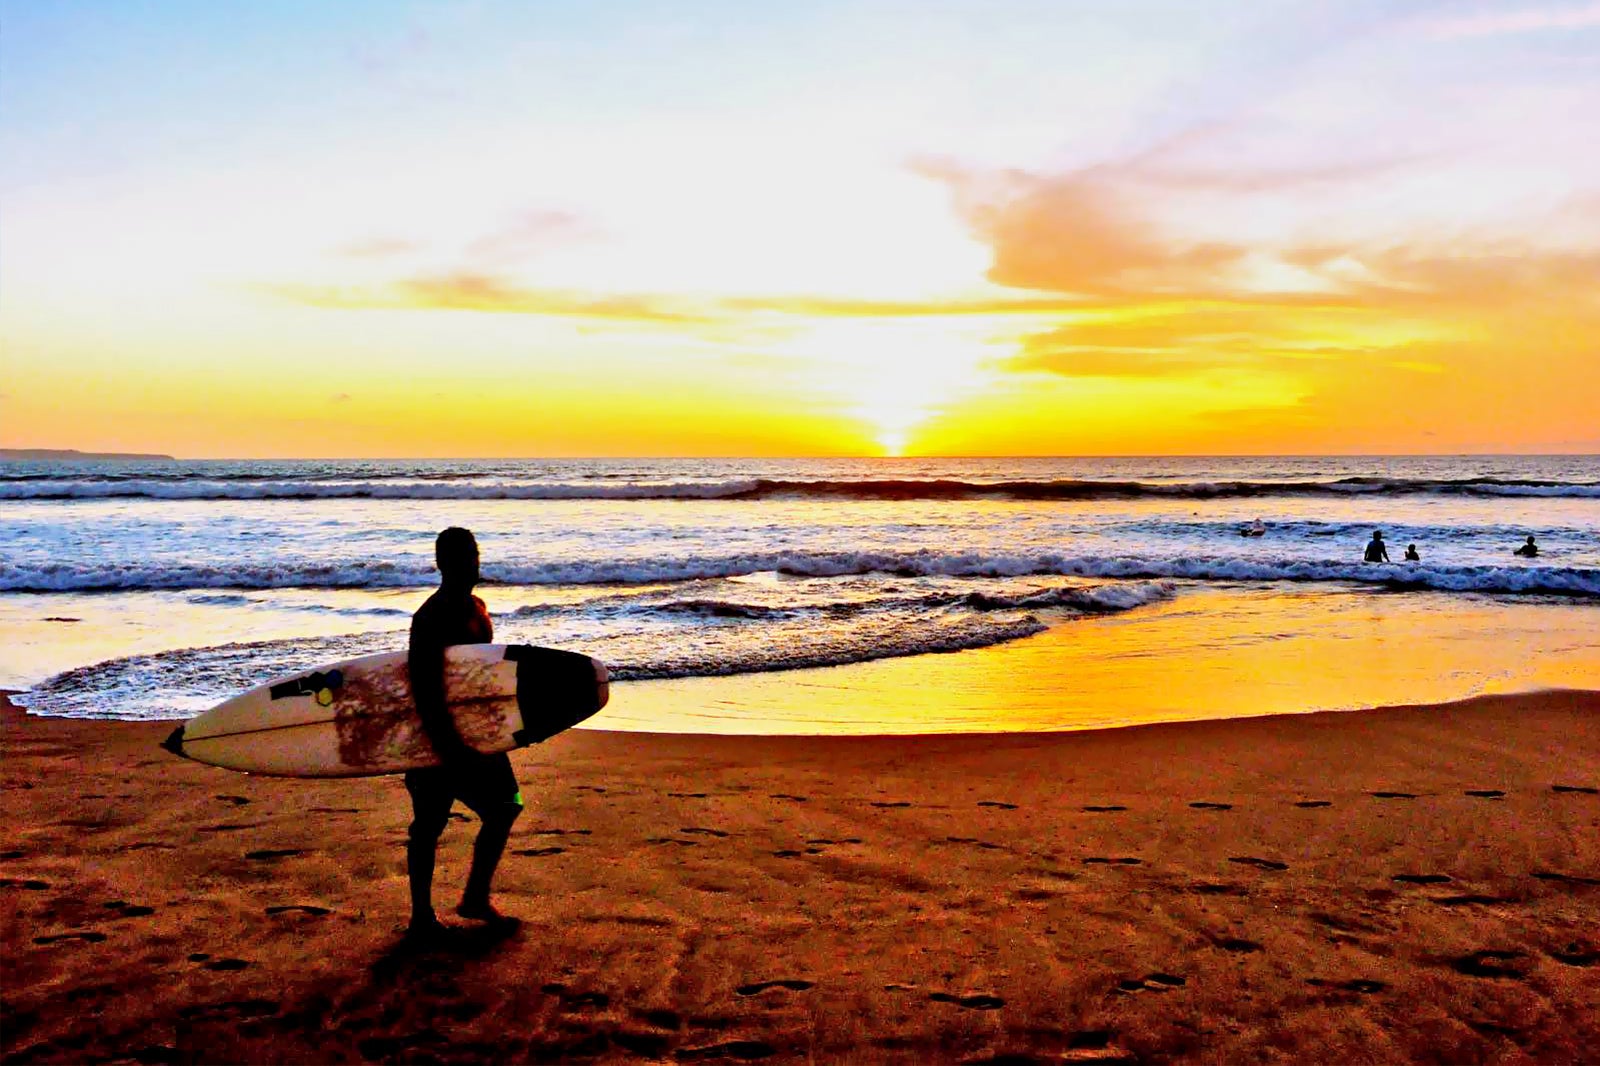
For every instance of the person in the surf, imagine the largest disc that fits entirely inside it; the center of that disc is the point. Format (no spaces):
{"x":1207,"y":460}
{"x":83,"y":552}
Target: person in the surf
{"x":1411,"y":554}
{"x":1377,"y":550}
{"x":1530,"y":550}
{"x":485,"y":783}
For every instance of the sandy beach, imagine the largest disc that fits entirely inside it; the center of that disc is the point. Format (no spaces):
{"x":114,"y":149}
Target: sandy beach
{"x":1413,"y":883}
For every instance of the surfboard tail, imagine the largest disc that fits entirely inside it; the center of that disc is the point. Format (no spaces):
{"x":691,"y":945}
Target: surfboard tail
{"x":174,"y":743}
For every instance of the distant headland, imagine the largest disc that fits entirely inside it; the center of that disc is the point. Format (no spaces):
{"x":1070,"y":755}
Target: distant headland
{"x":72,"y":453}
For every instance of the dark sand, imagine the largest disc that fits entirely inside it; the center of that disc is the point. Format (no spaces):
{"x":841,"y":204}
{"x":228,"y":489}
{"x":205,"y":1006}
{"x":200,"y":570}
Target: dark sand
{"x":1391,"y":885}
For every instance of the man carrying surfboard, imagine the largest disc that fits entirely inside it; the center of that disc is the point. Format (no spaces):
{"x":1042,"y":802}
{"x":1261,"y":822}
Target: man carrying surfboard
{"x":485,"y":783}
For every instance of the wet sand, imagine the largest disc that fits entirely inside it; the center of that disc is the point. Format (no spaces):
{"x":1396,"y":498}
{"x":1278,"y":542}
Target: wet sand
{"x":1401,"y":884}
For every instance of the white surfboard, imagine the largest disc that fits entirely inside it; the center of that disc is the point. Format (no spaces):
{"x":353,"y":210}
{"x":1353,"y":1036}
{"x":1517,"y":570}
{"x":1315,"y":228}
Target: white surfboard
{"x":357,"y":718}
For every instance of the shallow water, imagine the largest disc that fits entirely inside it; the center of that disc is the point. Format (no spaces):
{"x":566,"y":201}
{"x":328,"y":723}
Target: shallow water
{"x":153,"y":590}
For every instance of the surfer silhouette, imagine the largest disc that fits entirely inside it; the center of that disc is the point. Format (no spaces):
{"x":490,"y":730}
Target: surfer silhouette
{"x":1377,"y":551}
{"x":1529,"y":550}
{"x":1411,"y":554}
{"x":485,"y":783}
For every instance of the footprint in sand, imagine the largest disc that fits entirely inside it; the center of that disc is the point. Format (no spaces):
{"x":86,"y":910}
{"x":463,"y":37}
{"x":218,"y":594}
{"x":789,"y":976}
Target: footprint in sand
{"x":758,"y":987}
{"x":673,"y":840}
{"x":787,"y":796}
{"x":63,"y":938}
{"x":977,"y":1001}
{"x":299,"y":908}
{"x":27,"y":884}
{"x":1469,"y":899}
{"x":1583,"y":789}
{"x":998,"y":805}
{"x":891,"y":803}
{"x":1394,"y":795}
{"x":1104,"y":810}
{"x":231,"y":827}
{"x":147,"y":845}
{"x":1365,"y":987}
{"x":227,"y":965}
{"x":696,"y":830}
{"x":587,"y":788}
{"x":268,"y":854}
{"x":537,"y":852}
{"x":975,"y":842}
{"x":1422,"y":879}
{"x":1577,"y":955}
{"x":1565,"y":879}
{"x":1203,"y":805}
{"x":1260,"y":864}
{"x":1213,"y":888}
{"x":571,"y":999}
{"x":336,"y":810}
{"x":1156,"y":982}
{"x":1491,"y":964}
{"x":1098,"y":860}
{"x":787,"y":853}
{"x":125,"y":909}
{"x":237,"y":801}
{"x":1238,"y":945}
{"x":687,"y":795}
{"x":1309,"y":804}
{"x":1485,"y":793}
{"x":747,"y":1050}
{"x":7,"y":855}
{"x":562,"y":832}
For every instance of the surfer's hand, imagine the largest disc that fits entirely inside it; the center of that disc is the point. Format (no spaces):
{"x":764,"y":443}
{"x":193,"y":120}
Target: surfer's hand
{"x":453,"y":752}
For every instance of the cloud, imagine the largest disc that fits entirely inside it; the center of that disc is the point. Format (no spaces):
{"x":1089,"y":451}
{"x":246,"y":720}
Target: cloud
{"x":1076,"y":233}
{"x":376,"y":247}
{"x":530,"y":234}
{"x":340,"y":397}
{"x":1525,"y":20}
{"x":482,"y":291}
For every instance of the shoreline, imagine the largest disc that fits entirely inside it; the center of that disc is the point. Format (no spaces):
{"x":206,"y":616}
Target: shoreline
{"x":1395,"y":884}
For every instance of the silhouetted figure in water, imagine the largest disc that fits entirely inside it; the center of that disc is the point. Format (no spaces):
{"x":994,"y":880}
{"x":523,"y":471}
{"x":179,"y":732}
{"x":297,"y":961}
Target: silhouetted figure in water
{"x":1411,"y":554}
{"x":1529,"y":550}
{"x":1377,"y":550}
{"x":485,"y":783}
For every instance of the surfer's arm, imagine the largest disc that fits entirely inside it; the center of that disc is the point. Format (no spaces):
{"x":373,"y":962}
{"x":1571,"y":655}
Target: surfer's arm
{"x":426,"y":665}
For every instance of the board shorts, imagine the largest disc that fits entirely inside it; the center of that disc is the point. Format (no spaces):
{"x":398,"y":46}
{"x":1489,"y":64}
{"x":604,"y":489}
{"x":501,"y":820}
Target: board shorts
{"x":485,"y":783}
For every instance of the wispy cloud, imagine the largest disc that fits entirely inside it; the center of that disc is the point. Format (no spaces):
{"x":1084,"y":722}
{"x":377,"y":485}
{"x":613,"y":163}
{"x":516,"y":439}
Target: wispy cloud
{"x":1491,"y":23}
{"x":530,"y":234}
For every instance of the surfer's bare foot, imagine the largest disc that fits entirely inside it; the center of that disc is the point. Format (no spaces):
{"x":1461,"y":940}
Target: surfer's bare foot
{"x":485,"y":912}
{"x":425,"y":930}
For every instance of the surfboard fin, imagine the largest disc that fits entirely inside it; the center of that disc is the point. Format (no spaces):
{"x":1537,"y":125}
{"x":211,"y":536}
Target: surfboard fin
{"x":174,"y":743}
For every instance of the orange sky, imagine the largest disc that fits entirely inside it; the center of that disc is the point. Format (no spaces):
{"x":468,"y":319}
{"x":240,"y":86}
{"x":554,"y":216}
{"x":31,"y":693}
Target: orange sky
{"x":1010,"y":233}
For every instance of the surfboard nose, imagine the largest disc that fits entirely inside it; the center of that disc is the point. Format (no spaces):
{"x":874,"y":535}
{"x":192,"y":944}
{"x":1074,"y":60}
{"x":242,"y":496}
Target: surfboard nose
{"x":174,"y":743}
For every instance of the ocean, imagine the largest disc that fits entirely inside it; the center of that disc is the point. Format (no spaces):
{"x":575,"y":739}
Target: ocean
{"x":153,"y":589}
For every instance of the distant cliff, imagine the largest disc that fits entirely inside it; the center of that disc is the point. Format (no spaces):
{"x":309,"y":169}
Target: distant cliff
{"x":71,"y":453}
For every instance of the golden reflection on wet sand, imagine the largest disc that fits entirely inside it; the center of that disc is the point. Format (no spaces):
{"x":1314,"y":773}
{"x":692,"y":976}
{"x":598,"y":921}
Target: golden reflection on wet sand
{"x":1217,"y":653}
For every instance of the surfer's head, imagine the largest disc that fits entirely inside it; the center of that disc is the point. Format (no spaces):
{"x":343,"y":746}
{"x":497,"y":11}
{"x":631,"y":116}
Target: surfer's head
{"x":456,"y":552}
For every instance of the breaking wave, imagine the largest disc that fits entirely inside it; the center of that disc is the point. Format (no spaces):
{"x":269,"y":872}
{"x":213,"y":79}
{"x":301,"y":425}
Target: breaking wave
{"x":34,"y":487}
{"x":96,"y":576}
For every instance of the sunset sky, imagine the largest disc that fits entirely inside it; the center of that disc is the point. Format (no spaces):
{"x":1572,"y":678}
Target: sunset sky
{"x":483,"y":229}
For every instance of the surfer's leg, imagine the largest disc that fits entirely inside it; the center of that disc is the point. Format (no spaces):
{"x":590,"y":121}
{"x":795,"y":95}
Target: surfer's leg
{"x":430,"y":811}
{"x":497,"y":801}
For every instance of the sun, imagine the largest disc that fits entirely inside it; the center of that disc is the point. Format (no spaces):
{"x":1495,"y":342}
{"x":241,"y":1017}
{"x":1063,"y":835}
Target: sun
{"x":893,"y":442}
